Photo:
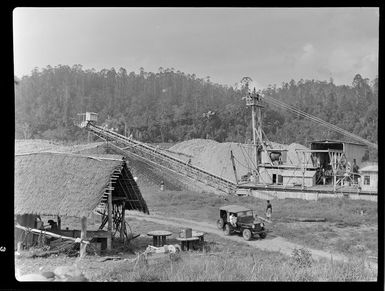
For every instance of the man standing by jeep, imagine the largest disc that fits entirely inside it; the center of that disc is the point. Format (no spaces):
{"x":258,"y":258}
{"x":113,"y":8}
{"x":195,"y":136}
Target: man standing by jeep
{"x":269,"y":210}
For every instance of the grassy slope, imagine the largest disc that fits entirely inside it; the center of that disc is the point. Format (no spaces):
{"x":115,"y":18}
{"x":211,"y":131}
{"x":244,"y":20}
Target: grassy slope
{"x":220,"y":266}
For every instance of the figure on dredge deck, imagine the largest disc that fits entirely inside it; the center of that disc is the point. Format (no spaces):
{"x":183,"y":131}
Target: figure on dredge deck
{"x":355,"y":169}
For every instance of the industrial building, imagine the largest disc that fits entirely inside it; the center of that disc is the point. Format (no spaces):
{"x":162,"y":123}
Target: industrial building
{"x":369,"y":178}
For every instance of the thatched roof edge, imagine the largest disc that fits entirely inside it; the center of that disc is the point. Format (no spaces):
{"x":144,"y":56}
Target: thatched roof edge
{"x":61,"y":183}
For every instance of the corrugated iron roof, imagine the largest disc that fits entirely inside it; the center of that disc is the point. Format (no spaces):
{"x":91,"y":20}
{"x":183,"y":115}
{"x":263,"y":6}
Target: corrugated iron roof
{"x":370,"y":168}
{"x":336,"y":141}
{"x":234,"y":208}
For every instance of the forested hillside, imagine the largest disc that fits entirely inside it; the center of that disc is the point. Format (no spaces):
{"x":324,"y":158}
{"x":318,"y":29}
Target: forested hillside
{"x":171,"y":106}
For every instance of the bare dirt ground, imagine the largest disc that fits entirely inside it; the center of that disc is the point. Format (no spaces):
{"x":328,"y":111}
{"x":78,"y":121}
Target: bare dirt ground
{"x":271,"y":243}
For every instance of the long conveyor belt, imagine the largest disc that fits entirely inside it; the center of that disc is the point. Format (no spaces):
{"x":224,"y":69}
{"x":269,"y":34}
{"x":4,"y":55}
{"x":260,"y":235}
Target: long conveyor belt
{"x":130,"y":147}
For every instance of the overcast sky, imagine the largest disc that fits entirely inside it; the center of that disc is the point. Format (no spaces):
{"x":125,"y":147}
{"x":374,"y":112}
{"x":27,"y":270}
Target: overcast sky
{"x":270,"y":45}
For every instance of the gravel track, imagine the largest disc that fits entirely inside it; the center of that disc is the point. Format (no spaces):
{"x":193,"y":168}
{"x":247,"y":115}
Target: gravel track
{"x":270,"y":243}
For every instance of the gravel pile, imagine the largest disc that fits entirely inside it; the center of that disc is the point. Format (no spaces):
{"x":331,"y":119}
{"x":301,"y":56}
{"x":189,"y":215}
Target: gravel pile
{"x":214,"y":157}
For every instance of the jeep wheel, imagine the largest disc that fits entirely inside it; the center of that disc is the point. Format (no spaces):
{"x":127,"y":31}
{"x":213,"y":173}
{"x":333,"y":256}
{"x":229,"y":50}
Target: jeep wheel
{"x":262,"y":234}
{"x":220,"y":223}
{"x":247,"y":234}
{"x":227,"y":229}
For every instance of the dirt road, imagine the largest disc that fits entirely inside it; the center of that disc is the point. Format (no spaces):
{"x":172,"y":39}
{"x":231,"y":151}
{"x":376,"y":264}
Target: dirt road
{"x":270,"y":243}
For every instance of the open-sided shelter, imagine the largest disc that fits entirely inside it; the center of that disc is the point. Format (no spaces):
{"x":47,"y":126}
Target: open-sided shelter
{"x":351,"y":150}
{"x":64,"y":184}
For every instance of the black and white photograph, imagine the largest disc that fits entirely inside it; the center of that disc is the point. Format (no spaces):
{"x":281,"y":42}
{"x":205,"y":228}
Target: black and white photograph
{"x":195,"y":144}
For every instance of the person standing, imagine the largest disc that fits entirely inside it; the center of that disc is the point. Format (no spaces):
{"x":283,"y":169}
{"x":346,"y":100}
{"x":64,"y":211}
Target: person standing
{"x":161,"y":185}
{"x":355,"y":169}
{"x":269,"y":210}
{"x":355,"y":166}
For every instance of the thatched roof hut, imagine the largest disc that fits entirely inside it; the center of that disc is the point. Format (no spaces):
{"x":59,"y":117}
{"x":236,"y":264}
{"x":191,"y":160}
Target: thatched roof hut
{"x":48,"y":183}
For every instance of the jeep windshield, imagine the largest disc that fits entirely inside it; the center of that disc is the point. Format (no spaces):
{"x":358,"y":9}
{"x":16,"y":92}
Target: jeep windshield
{"x":245,"y":213}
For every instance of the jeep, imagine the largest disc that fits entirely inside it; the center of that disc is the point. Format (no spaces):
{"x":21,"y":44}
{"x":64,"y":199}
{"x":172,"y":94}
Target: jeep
{"x":249,"y":224}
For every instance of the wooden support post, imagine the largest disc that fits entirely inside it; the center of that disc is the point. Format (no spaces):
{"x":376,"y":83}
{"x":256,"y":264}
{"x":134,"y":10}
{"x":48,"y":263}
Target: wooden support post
{"x":234,"y":169}
{"x":109,"y":226}
{"x":123,"y":223}
{"x":83,"y":236}
{"x":303,"y":170}
{"x":334,"y":166}
{"x":58,"y":222}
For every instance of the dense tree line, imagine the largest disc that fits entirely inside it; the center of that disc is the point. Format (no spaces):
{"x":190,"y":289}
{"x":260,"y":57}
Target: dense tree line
{"x":171,"y":106}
